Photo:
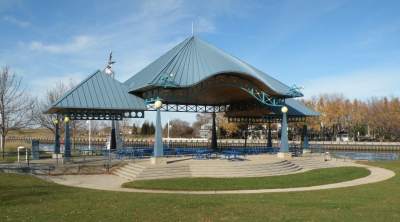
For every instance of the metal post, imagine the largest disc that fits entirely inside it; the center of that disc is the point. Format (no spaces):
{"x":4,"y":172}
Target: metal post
{"x":284,"y":134}
{"x":269,"y":135}
{"x":57,"y":137}
{"x":158,"y":144}
{"x":168,"y":133}
{"x":90,"y":132}
{"x":246,"y":133}
{"x":214,"y":143}
{"x":113,"y":139}
{"x":67,"y":139}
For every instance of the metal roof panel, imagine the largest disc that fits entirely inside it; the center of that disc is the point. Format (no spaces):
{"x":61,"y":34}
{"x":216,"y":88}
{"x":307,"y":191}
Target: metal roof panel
{"x":99,"y":91}
{"x":194,"y":60}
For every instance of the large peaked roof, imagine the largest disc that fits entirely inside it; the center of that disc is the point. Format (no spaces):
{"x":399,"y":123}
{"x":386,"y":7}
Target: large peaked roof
{"x":98,"y":92}
{"x":194,"y":60}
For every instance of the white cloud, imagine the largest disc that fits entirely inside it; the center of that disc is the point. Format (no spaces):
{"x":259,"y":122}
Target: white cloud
{"x":360,"y":84}
{"x":15,"y":21}
{"x":77,"y":44}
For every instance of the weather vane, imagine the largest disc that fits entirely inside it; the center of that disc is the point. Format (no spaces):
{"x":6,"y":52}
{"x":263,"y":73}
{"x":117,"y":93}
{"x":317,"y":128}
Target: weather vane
{"x":108,"y":68}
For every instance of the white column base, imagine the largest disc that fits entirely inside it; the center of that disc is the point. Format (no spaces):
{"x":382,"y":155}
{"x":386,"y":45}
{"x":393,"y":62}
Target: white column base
{"x":57,"y":156}
{"x":158,"y":160}
{"x":284,"y":155}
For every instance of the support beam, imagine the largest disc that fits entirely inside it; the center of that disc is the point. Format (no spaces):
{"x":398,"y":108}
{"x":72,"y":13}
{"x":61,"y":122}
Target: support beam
{"x":57,"y":136}
{"x":67,"y":139}
{"x":284,"y":148}
{"x":113,"y":138}
{"x":158,"y":144}
{"x":284,"y":135}
{"x":214,"y":142}
{"x":246,"y":134}
{"x":269,"y":135}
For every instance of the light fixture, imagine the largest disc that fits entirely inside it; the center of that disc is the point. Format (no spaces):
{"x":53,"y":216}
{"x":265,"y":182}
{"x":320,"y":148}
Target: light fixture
{"x":284,"y":109}
{"x":158,"y":104}
{"x":66,"y":119}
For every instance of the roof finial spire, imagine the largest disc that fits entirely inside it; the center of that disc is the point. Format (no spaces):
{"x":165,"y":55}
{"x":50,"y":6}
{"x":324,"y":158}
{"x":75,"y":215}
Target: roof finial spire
{"x":192,"y":29}
{"x":108,"y":68}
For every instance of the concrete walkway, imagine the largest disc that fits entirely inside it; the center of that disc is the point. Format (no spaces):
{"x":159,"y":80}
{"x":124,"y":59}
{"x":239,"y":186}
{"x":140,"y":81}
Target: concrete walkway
{"x":113,"y":183}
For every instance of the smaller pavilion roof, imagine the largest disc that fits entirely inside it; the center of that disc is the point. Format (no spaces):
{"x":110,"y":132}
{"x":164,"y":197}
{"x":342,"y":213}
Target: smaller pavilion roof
{"x":98,"y":92}
{"x":297,"y":108}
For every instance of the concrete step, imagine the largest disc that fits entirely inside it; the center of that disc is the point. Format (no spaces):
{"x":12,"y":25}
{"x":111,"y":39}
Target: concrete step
{"x":228,"y":169}
{"x":249,"y":171}
{"x":146,"y":175}
{"x":124,"y":175}
{"x":130,"y":171}
{"x":135,"y":165}
{"x":133,"y":171}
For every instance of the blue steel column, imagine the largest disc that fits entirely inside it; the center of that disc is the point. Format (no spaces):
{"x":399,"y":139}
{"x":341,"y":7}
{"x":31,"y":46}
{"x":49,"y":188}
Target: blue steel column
{"x":57,"y":136}
{"x":158,"y":144}
{"x":214,"y":143}
{"x":284,"y":134}
{"x":67,"y":139}
{"x":113,"y":137}
{"x":269,"y":135}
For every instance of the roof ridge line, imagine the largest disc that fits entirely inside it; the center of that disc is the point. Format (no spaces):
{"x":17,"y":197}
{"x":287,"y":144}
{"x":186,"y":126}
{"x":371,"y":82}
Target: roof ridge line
{"x":172,"y":59}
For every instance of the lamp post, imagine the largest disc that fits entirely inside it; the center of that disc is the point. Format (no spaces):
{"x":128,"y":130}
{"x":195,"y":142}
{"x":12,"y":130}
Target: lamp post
{"x":214,"y":142}
{"x":284,"y":148}
{"x":57,"y":136}
{"x":158,"y":143}
{"x":67,"y":139}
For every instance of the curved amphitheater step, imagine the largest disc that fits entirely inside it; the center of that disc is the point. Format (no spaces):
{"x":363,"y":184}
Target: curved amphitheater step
{"x":129,"y":171}
{"x":200,"y":168}
{"x":312,"y":163}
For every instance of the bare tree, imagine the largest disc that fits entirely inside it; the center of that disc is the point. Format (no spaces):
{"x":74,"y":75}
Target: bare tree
{"x":52,"y":95}
{"x":16,"y":107}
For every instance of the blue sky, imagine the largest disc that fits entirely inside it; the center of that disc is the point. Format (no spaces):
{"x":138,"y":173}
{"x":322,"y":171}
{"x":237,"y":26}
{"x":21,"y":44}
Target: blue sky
{"x":325,"y":46}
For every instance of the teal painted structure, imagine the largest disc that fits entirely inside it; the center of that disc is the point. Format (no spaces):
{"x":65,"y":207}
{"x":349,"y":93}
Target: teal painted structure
{"x":178,"y":77}
{"x":96,"y":93}
{"x":297,"y":108}
{"x":284,"y":147}
{"x":195,"y":60}
{"x":57,"y":137}
{"x":67,"y":141}
{"x":158,"y":144}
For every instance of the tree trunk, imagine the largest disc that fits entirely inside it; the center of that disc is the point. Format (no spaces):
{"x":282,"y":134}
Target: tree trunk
{"x":3,"y":144}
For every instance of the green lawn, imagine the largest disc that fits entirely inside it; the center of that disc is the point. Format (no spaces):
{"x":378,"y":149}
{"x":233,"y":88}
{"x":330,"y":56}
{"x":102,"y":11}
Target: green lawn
{"x":24,"y":198}
{"x":310,"y":178}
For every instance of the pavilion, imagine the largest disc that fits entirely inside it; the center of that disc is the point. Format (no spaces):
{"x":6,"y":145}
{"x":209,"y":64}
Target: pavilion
{"x":194,"y":76}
